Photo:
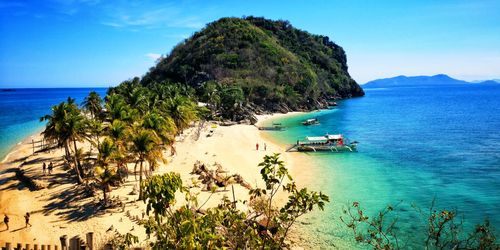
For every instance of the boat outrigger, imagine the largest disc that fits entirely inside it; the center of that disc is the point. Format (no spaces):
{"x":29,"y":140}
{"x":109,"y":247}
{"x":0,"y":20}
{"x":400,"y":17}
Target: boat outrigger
{"x":274,"y":127}
{"x":308,"y":122}
{"x":333,"y":143}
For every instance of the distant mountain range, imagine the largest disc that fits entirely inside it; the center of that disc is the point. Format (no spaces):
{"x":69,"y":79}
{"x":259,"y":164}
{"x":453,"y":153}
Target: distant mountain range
{"x":440,"y":79}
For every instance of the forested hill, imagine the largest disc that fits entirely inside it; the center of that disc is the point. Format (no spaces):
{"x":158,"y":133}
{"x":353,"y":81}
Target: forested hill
{"x":275,"y":66}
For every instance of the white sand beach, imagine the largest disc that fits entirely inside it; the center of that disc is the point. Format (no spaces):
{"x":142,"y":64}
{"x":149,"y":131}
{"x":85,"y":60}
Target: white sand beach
{"x":60,"y":209}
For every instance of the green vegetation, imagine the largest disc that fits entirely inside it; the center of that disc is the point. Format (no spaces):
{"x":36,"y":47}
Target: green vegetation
{"x":269,"y":65}
{"x":260,"y":225}
{"x":134,"y":125}
{"x":443,"y":230}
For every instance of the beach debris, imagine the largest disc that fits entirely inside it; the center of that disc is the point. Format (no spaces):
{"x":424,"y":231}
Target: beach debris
{"x":215,"y":175}
{"x":134,"y":191}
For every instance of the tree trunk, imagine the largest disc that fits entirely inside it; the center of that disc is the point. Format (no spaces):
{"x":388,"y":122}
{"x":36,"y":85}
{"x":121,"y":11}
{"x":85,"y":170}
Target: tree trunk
{"x":140,"y":181}
{"x":105,"y":197}
{"x":66,"y":151}
{"x":77,"y":169}
{"x":77,"y":159}
{"x":135,"y":170}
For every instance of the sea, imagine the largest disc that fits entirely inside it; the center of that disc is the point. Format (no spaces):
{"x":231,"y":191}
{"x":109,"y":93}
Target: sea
{"x":21,"y":109}
{"x":420,"y":149}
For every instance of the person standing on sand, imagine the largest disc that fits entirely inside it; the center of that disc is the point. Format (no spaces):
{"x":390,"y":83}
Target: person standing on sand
{"x":51,"y":166}
{"x":6,"y":221}
{"x":257,"y":146}
{"x":265,"y":147}
{"x":27,"y":219}
{"x":44,"y":166}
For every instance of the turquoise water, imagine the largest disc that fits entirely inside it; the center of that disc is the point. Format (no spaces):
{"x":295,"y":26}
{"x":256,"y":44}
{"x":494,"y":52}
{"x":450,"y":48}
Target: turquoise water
{"x":21,"y":109}
{"x":416,"y":144}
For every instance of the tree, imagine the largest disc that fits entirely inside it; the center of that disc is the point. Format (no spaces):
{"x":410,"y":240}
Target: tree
{"x":182,"y":110}
{"x":74,"y":127}
{"x":442,"y":232}
{"x":65,"y":125}
{"x":54,"y":127}
{"x":105,"y":174}
{"x":93,"y":104}
{"x":145,"y":148}
{"x":163,"y":127}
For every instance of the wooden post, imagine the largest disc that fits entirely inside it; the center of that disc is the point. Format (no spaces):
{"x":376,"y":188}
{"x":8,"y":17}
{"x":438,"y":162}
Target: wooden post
{"x":43,"y":247}
{"x":28,"y":247}
{"x":8,"y":246}
{"x":19,"y":246}
{"x":74,"y":243}
{"x":90,"y":240}
{"x":64,"y":242}
{"x":35,"y":247}
{"x":33,"y":144}
{"x":49,"y":247}
{"x":56,"y":247}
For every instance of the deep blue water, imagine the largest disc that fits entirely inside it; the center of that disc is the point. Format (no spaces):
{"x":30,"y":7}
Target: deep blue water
{"x":21,"y":109}
{"x":416,"y":144}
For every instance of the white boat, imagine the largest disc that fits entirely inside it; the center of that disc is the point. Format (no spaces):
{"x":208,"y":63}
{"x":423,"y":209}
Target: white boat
{"x":333,"y":143}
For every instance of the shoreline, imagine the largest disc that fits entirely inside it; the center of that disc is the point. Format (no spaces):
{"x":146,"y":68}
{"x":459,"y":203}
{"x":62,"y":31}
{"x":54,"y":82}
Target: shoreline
{"x":18,"y":145}
{"x":47,"y":208}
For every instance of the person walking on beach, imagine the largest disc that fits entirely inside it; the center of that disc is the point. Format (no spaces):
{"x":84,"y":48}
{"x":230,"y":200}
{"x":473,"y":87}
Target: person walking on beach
{"x":265,"y":147}
{"x":257,"y":146}
{"x":6,"y":221}
{"x":44,"y":167}
{"x":27,"y":219}
{"x":51,"y":166}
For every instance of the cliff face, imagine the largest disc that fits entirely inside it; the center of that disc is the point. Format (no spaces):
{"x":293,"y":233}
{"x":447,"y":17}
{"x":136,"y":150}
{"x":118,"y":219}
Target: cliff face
{"x":276,"y":65}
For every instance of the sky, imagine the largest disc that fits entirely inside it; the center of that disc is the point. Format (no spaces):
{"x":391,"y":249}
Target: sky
{"x":83,"y":43}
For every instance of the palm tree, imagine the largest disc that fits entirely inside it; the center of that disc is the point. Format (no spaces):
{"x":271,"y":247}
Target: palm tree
{"x":145,"y":148}
{"x":93,"y":104}
{"x":105,"y":174}
{"x":164,"y":127}
{"x":95,"y":130}
{"x":54,"y":127}
{"x":75,"y":131}
{"x":118,"y":132}
{"x":182,"y":110}
{"x":65,"y":125}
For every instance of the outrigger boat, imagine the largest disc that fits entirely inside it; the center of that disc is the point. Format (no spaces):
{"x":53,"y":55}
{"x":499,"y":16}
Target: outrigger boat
{"x":274,"y":127}
{"x":333,"y":143}
{"x":308,"y":122}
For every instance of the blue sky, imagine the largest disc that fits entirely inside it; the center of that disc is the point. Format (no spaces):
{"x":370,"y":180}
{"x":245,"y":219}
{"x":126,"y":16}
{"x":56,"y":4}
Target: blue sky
{"x":77,"y":43}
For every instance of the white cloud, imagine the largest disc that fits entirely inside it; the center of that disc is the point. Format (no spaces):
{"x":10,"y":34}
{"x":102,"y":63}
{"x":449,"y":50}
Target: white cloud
{"x":153,"y":56}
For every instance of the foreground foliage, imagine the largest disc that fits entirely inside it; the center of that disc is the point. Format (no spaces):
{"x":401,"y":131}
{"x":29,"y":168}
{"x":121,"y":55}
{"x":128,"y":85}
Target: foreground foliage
{"x":443,"y":230}
{"x":260,"y":225}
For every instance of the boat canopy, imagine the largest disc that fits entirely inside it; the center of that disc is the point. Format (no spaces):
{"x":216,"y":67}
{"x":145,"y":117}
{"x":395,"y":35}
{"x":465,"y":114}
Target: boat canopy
{"x":324,"y":138}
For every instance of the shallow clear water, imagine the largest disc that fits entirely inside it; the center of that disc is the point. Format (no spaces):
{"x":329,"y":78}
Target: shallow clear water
{"x":21,"y":109}
{"x":416,"y":144}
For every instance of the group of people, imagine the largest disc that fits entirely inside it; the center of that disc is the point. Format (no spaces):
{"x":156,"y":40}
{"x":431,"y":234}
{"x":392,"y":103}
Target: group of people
{"x":257,"y":147}
{"x":6,"y":220}
{"x":47,"y":168}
